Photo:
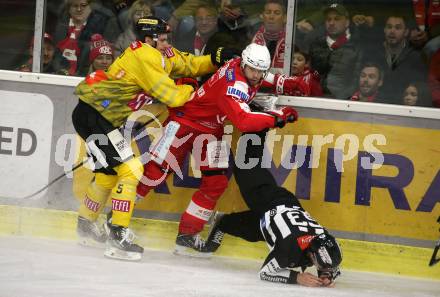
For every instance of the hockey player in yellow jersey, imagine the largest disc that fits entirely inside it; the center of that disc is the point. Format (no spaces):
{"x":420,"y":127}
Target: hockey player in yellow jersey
{"x":144,"y":71}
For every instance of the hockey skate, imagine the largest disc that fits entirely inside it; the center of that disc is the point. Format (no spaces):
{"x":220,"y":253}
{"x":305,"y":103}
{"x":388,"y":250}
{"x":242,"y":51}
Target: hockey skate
{"x":215,"y":235}
{"x":190,"y":245}
{"x":120,"y":244}
{"x":90,"y":233}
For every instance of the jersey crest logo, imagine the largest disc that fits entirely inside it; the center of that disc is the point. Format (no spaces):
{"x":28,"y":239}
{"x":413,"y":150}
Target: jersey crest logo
{"x":169,"y":52}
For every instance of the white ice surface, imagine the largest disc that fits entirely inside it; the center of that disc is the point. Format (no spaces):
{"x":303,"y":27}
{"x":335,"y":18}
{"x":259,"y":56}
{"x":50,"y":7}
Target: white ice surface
{"x":32,"y":267}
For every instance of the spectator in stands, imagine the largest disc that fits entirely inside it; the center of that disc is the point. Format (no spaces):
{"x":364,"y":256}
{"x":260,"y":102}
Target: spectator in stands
{"x":163,"y":8}
{"x":78,"y":23}
{"x":205,"y":38}
{"x":138,"y":10}
{"x":235,"y":16}
{"x":101,"y":53}
{"x":400,"y":61}
{"x":336,"y":54}
{"x":206,"y":18}
{"x":370,"y":81}
{"x":53,"y":61}
{"x":272,"y":32}
{"x":434,"y":78}
{"x":310,"y":20}
{"x":309,"y":15}
{"x":427,"y":32}
{"x":415,"y":94}
{"x":115,"y":6}
{"x":301,"y":69}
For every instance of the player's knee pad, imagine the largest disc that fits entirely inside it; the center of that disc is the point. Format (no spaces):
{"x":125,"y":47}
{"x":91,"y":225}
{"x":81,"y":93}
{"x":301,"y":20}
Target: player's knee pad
{"x":94,"y":200}
{"x":154,"y":174}
{"x":131,"y":169}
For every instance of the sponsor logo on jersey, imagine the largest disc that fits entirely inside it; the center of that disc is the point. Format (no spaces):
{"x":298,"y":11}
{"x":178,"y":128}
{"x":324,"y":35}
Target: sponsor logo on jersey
{"x":230,"y":75}
{"x":169,"y":52}
{"x":121,"y":205}
{"x":90,"y":204}
{"x":239,"y":94}
{"x":304,"y":241}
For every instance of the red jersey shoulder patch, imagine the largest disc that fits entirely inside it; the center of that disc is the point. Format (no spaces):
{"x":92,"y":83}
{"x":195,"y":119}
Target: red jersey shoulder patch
{"x":135,"y":45}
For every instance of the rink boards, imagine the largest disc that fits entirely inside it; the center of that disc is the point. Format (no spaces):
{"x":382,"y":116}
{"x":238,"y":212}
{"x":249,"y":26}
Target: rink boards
{"x":386,"y":216}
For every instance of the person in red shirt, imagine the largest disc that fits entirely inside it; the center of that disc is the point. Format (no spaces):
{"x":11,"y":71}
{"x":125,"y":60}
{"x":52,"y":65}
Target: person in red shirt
{"x":272,"y":32}
{"x":301,"y":69}
{"x":101,"y":53}
{"x":370,"y":81}
{"x":427,"y":33}
{"x":198,"y":127}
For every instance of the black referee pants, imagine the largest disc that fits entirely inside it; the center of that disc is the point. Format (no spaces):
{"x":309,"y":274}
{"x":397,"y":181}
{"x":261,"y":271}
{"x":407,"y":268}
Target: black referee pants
{"x":260,"y":192}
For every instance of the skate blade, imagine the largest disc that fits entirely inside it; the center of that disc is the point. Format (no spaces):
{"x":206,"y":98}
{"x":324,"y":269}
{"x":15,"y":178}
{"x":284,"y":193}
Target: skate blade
{"x":115,"y":253}
{"x":90,"y":242}
{"x":189,"y":252}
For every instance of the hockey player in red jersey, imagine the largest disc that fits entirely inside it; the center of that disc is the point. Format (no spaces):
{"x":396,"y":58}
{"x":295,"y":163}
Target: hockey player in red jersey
{"x":276,"y":216}
{"x":198,"y":127}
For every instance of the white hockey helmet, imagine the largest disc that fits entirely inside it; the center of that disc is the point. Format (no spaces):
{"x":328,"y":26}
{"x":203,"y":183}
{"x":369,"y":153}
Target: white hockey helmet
{"x":256,"y":56}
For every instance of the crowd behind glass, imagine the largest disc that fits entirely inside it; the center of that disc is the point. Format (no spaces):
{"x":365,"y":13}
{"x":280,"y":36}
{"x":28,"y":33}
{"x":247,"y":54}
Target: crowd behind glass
{"x":374,"y":51}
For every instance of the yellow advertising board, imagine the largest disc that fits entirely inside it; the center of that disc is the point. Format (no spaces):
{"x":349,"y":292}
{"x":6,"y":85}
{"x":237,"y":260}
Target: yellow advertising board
{"x":338,"y":177}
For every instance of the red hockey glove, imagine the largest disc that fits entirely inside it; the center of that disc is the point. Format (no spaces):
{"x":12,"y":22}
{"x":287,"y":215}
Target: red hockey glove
{"x":187,"y":81}
{"x":290,"y":85}
{"x":284,"y":115}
